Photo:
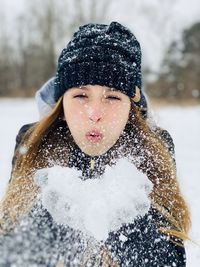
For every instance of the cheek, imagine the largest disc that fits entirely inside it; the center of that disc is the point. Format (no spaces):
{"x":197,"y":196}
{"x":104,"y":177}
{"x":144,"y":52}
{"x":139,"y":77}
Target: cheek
{"x":118,"y":117}
{"x":74,"y":116}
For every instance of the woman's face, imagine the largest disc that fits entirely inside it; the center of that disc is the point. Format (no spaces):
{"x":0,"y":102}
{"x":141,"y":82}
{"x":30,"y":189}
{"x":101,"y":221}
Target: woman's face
{"x":96,"y":116}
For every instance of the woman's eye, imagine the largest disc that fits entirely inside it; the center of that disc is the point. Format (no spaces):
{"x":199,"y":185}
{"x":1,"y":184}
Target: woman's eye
{"x":81,"y":96}
{"x":108,"y":97}
{"x":113,"y":97}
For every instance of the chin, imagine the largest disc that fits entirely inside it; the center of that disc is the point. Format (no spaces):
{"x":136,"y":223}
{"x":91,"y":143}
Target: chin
{"x":93,"y":150}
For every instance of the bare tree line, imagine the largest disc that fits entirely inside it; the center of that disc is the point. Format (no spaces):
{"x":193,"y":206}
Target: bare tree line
{"x":28,"y":52}
{"x":28,"y":55}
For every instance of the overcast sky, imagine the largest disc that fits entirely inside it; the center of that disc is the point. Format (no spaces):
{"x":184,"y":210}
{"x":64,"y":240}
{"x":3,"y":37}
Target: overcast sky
{"x":186,"y":10}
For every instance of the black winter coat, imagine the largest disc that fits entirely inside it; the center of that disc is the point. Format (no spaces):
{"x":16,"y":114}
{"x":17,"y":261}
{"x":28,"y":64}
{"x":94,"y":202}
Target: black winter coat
{"x":39,"y":241}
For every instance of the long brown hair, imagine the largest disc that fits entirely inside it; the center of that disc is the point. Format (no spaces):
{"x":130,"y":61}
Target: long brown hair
{"x":149,"y":154}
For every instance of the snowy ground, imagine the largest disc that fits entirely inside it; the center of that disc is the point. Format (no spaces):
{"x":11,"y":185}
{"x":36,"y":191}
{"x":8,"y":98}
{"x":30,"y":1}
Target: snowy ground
{"x":182,"y":123}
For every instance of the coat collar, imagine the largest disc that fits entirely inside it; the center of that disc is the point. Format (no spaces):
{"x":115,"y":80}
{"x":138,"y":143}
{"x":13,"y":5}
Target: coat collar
{"x":91,"y":166}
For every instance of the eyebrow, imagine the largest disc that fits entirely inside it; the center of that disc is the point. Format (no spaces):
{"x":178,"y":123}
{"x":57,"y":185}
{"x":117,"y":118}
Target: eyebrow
{"x":107,"y":88}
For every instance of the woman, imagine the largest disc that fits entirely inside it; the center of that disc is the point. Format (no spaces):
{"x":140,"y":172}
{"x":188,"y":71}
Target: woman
{"x":98,"y":118}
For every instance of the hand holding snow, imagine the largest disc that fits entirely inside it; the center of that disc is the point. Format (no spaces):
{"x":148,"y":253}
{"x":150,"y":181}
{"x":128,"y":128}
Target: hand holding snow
{"x":95,"y":206}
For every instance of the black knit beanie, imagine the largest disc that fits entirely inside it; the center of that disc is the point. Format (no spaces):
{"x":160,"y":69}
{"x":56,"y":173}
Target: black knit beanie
{"x":98,"y":54}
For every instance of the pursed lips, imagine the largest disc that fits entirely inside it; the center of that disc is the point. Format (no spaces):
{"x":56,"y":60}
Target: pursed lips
{"x":94,"y":135}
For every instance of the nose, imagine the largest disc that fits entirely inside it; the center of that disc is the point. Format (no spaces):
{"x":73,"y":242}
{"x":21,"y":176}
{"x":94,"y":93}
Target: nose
{"x":95,"y":112}
{"x":95,"y":118}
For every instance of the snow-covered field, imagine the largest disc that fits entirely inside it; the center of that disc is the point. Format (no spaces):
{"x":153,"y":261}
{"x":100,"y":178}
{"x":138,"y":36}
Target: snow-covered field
{"x":182,"y":123}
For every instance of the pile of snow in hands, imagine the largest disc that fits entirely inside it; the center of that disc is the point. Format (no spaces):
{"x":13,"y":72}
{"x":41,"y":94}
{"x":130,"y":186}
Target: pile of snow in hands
{"x":95,"y":206}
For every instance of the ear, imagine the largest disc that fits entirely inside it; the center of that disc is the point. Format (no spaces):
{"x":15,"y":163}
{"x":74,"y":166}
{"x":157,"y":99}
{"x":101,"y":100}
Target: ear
{"x":137,"y":96}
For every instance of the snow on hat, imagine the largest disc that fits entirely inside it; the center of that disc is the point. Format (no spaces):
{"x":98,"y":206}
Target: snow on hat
{"x":107,"y":55}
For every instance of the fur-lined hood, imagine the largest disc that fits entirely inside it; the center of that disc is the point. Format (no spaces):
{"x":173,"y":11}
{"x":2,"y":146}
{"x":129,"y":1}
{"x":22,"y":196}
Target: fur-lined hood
{"x":44,"y":98}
